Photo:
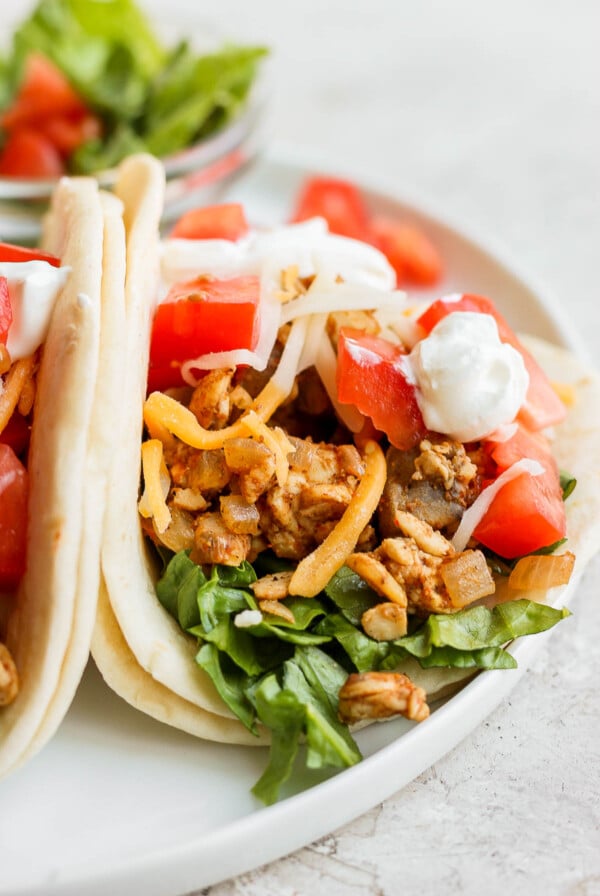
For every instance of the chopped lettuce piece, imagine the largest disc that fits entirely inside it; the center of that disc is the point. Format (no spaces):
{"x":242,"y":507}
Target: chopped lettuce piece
{"x":181,"y":573}
{"x":315,"y":678}
{"x":286,"y":674}
{"x":477,"y":628}
{"x":366,"y":654}
{"x":283,"y":713}
{"x":351,"y":594}
{"x":567,"y":483}
{"x":230,"y":682}
{"x":216,"y":601}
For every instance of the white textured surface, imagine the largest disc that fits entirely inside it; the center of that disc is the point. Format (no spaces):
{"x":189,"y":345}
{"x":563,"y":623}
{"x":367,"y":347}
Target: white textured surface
{"x":492,"y":111}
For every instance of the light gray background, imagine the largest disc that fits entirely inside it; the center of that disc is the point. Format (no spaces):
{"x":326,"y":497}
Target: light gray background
{"x":492,"y":113}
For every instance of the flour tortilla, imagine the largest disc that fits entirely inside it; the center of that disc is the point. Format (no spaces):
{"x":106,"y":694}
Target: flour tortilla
{"x":101,"y":445}
{"x":151,"y":636}
{"x":40,"y":628}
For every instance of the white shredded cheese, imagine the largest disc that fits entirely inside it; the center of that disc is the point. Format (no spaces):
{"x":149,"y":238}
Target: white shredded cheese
{"x":326,"y":364}
{"x":326,"y":295}
{"x":475,"y":513}
{"x":308,"y":245}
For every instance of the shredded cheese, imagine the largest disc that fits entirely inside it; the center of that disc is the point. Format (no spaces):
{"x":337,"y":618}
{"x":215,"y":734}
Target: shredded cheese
{"x":327,"y":294}
{"x":17,"y":379}
{"x":165,"y":414}
{"x":314,"y":571}
{"x":326,"y":364}
{"x":153,"y":503}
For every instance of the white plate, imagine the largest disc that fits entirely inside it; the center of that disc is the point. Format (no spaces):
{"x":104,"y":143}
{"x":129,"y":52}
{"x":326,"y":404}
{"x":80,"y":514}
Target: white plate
{"x":120,"y":804}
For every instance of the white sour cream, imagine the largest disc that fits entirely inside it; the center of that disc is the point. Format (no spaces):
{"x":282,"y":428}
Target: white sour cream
{"x":469,"y":382}
{"x":33,"y":287}
{"x":308,"y":245}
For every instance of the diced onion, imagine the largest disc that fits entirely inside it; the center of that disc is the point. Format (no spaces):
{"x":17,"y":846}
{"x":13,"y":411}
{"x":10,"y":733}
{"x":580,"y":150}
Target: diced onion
{"x":467,"y":578}
{"x":542,"y":571}
{"x":475,"y":513}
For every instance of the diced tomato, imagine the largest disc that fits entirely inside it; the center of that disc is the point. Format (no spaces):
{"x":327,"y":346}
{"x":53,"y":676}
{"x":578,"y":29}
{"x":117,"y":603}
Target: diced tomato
{"x":17,"y":434}
{"x":6,"y":314}
{"x":27,"y":153}
{"x":542,"y":405}
{"x":67,"y":134}
{"x":371,"y":375}
{"x":522,"y":444}
{"x":528,"y":513}
{"x":213,"y":222}
{"x":8,"y":252}
{"x":199,"y":317}
{"x":13,"y":518}
{"x":409,"y":251}
{"x":44,"y":93}
{"x":339,"y":202}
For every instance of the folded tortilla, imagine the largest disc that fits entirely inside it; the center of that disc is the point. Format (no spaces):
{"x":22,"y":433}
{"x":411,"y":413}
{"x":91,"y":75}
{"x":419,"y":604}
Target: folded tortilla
{"x":138,"y":647}
{"x":50,"y":628}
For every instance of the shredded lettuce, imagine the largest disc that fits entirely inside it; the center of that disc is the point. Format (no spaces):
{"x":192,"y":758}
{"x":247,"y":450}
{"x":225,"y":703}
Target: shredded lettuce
{"x":287,"y":676}
{"x":148,"y":97}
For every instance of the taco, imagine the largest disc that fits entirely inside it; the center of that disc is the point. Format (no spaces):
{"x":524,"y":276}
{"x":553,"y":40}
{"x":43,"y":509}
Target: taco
{"x":49,"y":569}
{"x":348,"y":503}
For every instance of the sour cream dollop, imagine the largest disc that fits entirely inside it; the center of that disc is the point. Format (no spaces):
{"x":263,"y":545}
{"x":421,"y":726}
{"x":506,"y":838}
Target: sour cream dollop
{"x":33,"y":287}
{"x":469,"y":382}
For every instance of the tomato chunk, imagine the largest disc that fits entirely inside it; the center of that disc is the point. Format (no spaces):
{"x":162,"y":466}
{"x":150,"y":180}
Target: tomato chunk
{"x":528,"y":513}
{"x":13,"y":518}
{"x":213,"y":222}
{"x":542,"y":406}
{"x":8,"y":252}
{"x":372,"y":376}
{"x":522,"y":444}
{"x":339,"y":202}
{"x":409,"y":251}
{"x":44,"y":93}
{"x":66,"y":134}
{"x":27,"y":153}
{"x":6,"y":314}
{"x":199,"y":317}
{"x":17,"y":434}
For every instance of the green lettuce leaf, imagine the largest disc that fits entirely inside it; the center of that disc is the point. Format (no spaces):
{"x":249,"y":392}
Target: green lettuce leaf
{"x":283,"y":713}
{"x":479,"y":627}
{"x":230,"y":682}
{"x":365,"y":653}
{"x":568,"y":483}
{"x":177,"y":589}
{"x":351,"y":594}
{"x":316,"y":680}
{"x":217,"y":601}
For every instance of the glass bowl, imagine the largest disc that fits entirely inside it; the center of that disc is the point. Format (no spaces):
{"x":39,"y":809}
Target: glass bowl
{"x":194,"y":175}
